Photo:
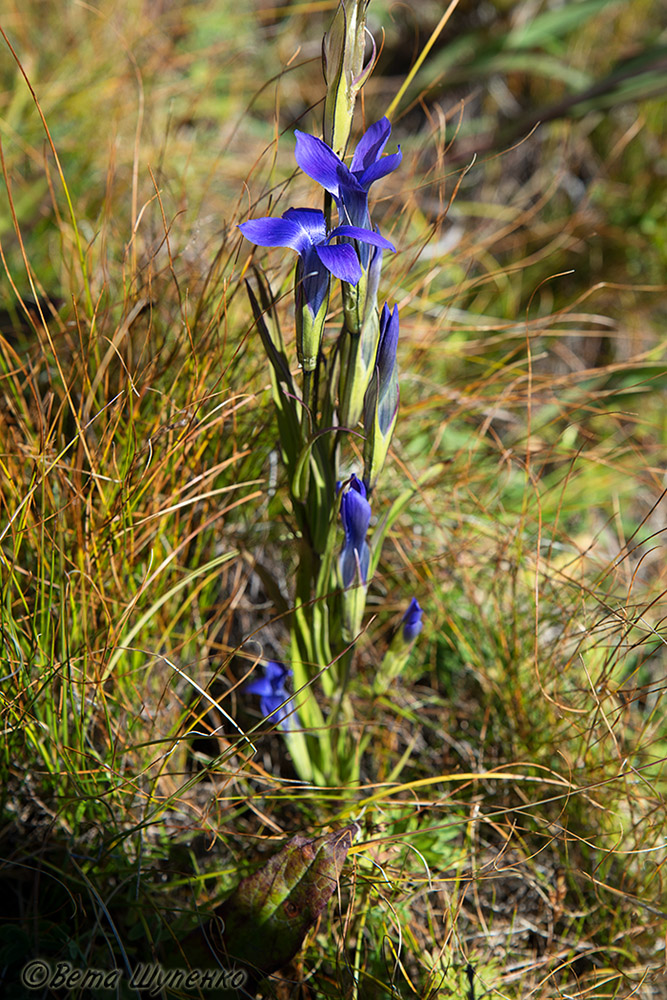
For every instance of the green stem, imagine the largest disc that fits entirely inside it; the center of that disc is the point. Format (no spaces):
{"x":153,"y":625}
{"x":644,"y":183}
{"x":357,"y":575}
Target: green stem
{"x":306,"y":420}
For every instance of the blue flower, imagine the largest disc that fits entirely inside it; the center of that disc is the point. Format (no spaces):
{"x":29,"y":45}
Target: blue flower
{"x":384,"y":393}
{"x":381,"y":399}
{"x":412,"y":621}
{"x":304,"y":230}
{"x":349,"y":185}
{"x":355,"y":512}
{"x":272,"y":693}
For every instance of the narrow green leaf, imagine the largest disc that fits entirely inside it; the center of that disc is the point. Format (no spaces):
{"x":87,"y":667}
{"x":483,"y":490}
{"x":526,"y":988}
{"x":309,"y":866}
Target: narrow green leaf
{"x":551,"y":24}
{"x":271,"y":338}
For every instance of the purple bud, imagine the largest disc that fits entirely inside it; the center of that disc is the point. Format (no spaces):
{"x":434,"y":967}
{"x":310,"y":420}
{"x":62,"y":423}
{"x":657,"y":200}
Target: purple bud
{"x":355,"y":513}
{"x":386,"y":367}
{"x":412,"y":621}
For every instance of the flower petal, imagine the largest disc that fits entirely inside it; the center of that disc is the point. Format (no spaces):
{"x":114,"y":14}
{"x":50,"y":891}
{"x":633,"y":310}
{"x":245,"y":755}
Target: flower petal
{"x":412,"y":621}
{"x":276,"y":673}
{"x":269,"y":232}
{"x":384,"y":166}
{"x":341,"y":260}
{"x":373,"y":274}
{"x":311,"y":223}
{"x":388,"y":408}
{"x":364,"y":561}
{"x":386,"y":355}
{"x":285,"y":717}
{"x":370,"y":146}
{"x":358,"y":485}
{"x":272,"y":694}
{"x":320,"y":162}
{"x":315,"y":278}
{"x":350,"y":558}
{"x":363,"y":235}
{"x":260,"y":686}
{"x":355,"y":512}
{"x":272,"y":681}
{"x":352,"y":202}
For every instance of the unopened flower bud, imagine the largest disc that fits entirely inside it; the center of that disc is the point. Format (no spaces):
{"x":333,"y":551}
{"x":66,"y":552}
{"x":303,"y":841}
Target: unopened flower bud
{"x":381,"y":400}
{"x":343,"y":51}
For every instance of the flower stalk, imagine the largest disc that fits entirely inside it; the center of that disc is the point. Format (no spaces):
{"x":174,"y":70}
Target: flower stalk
{"x":335,"y":548}
{"x":400,"y":648}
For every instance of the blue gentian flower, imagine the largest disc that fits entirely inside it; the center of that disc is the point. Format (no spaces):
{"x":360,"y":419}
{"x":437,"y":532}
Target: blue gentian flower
{"x":304,"y":230}
{"x":381,"y":399}
{"x":385,"y":380}
{"x":272,"y":693}
{"x":412,"y":621}
{"x":349,"y":185}
{"x":355,"y":512}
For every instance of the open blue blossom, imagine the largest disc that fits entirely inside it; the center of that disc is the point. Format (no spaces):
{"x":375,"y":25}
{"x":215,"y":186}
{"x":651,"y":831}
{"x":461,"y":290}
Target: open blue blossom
{"x":349,"y":185}
{"x":304,"y":230}
{"x":412,"y":621}
{"x":272,"y":693}
{"x":355,"y":512}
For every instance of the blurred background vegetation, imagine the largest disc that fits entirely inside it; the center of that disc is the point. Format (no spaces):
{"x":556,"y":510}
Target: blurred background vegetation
{"x":513,"y":813}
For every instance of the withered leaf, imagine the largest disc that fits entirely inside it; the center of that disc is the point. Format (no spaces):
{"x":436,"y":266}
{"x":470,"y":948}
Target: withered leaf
{"x":261,"y":926}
